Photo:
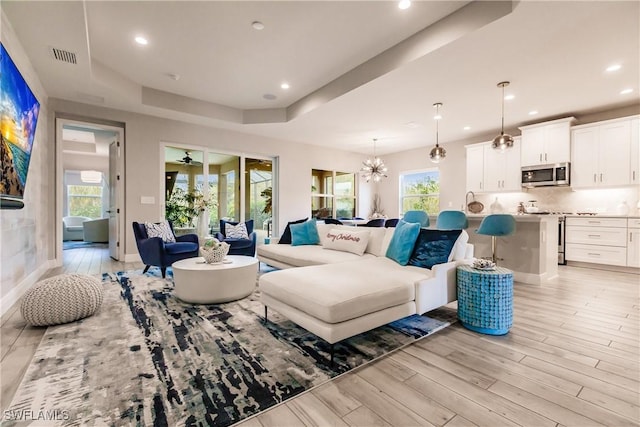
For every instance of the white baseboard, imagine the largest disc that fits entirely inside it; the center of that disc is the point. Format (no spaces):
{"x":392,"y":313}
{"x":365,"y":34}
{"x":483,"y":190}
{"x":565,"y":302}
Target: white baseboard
{"x":17,"y":291}
{"x":132,"y":258}
{"x":533,"y":279}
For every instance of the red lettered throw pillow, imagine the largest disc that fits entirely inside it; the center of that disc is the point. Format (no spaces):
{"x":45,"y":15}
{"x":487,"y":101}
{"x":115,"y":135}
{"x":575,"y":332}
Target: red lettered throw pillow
{"x":347,"y":241}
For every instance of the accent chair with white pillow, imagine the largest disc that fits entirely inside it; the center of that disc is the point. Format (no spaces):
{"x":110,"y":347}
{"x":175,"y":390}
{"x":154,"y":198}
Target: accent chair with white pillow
{"x":160,"y":247}
{"x":240,"y":237}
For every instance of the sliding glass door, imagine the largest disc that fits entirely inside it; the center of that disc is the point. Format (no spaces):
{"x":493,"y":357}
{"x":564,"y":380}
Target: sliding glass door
{"x":238,"y":188}
{"x":258,"y":185}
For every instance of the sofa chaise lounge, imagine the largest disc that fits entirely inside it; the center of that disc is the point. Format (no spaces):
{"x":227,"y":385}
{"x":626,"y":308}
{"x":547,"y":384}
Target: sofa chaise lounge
{"x":336,"y":294}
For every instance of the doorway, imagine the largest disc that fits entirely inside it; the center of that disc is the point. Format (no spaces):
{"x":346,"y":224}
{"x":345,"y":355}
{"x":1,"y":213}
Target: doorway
{"x":89,"y":186}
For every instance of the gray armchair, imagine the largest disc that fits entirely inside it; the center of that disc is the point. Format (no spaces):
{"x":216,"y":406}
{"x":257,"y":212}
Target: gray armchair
{"x":72,"y":227}
{"x":96,"y":230}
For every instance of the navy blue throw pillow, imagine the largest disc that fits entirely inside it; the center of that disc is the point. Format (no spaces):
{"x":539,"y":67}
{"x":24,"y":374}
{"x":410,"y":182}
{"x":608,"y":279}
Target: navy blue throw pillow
{"x":433,"y":247}
{"x":286,"y":235}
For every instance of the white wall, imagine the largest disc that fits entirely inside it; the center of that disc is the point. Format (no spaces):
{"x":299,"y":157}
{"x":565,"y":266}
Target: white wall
{"x":143,"y":156}
{"x":452,"y":175}
{"x":25,"y":247}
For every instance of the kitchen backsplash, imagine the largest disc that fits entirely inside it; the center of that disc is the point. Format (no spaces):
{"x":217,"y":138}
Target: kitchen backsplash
{"x":563,"y":199}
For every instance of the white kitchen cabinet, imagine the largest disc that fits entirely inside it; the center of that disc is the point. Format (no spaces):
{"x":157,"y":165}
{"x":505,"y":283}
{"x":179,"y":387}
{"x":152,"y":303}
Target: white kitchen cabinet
{"x":491,"y":170}
{"x":596,"y":240}
{"x":633,"y":242}
{"x":602,"y":154}
{"x":502,"y":168}
{"x":546,"y":143}
{"x":475,"y":168}
{"x":634,"y":170}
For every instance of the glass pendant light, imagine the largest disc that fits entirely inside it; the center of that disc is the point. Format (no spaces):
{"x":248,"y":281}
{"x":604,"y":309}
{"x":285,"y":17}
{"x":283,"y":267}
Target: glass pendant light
{"x":504,"y":140}
{"x":374,"y":169}
{"x":437,"y":153}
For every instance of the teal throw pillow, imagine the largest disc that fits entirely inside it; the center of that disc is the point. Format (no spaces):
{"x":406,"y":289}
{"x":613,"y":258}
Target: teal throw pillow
{"x":402,"y":242}
{"x":305,"y":233}
{"x":433,"y":247}
{"x":286,"y":235}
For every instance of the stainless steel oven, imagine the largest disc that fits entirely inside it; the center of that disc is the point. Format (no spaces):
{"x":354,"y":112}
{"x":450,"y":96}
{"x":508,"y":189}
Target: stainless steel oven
{"x":561,"y":224}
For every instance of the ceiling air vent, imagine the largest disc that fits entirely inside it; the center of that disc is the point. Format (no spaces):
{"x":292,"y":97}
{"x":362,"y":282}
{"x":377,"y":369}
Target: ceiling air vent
{"x":63,"y":55}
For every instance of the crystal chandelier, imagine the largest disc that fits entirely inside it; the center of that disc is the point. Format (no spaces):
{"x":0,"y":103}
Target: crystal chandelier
{"x":504,"y":140}
{"x":437,"y":153}
{"x":374,"y":169}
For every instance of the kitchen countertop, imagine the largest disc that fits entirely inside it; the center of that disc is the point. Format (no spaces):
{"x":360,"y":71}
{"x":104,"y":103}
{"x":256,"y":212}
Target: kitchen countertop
{"x":603,"y":216}
{"x":520,"y":217}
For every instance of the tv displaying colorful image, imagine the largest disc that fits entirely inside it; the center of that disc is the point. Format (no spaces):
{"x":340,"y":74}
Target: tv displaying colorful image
{"x":19,"y":110}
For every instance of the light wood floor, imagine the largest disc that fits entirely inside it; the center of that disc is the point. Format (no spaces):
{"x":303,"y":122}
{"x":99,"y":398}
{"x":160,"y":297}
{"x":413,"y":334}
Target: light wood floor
{"x":571,"y":359}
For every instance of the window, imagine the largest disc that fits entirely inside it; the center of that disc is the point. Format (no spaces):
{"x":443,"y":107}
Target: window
{"x":420,"y":190}
{"x":333,"y":194}
{"x":85,"y":200}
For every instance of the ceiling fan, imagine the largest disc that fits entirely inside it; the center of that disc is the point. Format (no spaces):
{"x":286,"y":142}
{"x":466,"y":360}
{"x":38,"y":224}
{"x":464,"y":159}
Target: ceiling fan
{"x":188,"y":160}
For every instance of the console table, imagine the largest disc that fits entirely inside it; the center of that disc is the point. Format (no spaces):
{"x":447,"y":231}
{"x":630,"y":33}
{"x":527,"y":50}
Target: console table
{"x":485,"y":299}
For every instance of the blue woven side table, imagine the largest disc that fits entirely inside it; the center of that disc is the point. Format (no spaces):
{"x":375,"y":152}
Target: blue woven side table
{"x":485,"y":299}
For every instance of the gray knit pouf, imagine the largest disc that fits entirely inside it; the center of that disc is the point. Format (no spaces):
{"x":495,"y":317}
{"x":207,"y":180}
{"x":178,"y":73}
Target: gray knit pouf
{"x":61,"y":299}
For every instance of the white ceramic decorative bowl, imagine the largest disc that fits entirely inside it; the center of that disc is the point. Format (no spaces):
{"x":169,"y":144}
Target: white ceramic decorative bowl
{"x":214,"y":255}
{"x":484,"y":264}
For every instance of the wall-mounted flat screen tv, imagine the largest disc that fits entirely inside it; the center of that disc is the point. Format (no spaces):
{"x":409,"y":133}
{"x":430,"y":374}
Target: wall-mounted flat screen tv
{"x":19,"y":110}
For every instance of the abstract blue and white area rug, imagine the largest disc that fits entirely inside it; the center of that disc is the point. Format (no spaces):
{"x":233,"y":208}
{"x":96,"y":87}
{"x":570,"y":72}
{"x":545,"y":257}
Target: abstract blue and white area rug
{"x":146,"y":358}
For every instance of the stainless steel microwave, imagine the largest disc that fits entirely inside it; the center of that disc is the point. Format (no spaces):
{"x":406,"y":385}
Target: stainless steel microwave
{"x":556,"y":174}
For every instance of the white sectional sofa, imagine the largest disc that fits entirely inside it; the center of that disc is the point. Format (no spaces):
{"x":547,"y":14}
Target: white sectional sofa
{"x":336,"y":294}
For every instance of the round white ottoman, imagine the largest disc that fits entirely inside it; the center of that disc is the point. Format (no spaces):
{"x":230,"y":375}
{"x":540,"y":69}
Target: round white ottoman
{"x":61,"y":299}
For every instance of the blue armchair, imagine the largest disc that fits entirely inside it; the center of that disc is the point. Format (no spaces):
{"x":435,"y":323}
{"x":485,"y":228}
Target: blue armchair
{"x":155,"y":252}
{"x":245,"y":247}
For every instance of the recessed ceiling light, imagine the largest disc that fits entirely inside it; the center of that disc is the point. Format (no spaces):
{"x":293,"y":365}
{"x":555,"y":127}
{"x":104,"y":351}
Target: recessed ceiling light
{"x":404,"y":4}
{"x":466,"y":128}
{"x":626,"y":91}
{"x":533,"y":112}
{"x":257,"y":25}
{"x":285,"y":85}
{"x":613,"y":67}
{"x":509,"y":97}
{"x":412,"y":125}
{"x":269,"y":96}
{"x":141,"y":40}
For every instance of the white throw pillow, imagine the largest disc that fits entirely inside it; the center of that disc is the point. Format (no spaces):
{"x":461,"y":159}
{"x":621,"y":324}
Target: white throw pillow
{"x":236,"y":231}
{"x":376,"y":238}
{"x":388,"y":235}
{"x":347,"y":240}
{"x":459,"y":247}
{"x":161,"y":229}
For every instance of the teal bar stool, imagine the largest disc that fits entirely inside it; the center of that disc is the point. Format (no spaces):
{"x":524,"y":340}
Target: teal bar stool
{"x":452,"y":220}
{"x":420,"y":217}
{"x":495,"y":226}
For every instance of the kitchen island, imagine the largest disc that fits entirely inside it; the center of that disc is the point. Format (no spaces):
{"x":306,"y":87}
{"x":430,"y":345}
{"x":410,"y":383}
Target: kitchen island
{"x":531,"y":252}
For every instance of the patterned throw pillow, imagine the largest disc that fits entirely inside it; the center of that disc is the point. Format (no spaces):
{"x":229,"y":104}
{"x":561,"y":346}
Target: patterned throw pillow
{"x":236,"y":231}
{"x":160,"y":229}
